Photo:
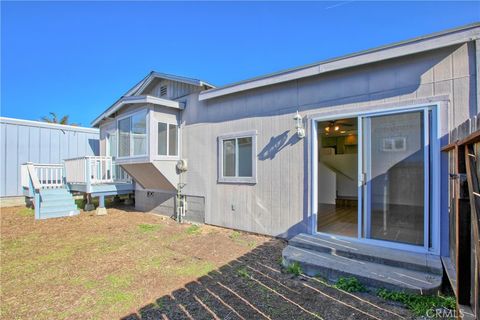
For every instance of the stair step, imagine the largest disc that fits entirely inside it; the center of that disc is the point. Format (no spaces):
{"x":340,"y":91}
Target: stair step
{"x":54,"y":191}
{"x":332,"y":266}
{"x":59,"y":214}
{"x":53,"y":209}
{"x":57,"y":202}
{"x":354,"y":250}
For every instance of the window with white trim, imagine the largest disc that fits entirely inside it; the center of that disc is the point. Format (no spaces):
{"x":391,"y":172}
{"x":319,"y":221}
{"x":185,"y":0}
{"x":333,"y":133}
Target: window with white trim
{"x":132,"y":135}
{"x":237,"y":159}
{"x":167,"y":139}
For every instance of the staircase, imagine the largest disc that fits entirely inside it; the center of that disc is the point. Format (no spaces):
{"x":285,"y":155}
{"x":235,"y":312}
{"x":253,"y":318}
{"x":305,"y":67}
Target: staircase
{"x":56,"y":203}
{"x":377,"y":267}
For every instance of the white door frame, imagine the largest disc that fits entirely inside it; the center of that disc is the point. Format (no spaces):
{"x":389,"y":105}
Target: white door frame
{"x":432,"y":194}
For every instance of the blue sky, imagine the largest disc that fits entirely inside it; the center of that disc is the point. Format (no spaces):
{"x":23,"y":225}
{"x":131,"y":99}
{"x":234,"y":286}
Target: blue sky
{"x":77,"y":58}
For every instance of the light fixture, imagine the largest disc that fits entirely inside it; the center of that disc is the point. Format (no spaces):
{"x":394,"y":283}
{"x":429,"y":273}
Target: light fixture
{"x":327,"y":129}
{"x":299,"y":125}
{"x":336,"y":128}
{"x":343,"y":131}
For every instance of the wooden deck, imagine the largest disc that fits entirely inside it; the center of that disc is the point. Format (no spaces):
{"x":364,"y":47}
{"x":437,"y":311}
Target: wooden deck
{"x":106,"y":189}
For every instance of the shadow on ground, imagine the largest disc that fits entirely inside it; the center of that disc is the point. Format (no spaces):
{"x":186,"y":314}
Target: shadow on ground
{"x":254,"y":287}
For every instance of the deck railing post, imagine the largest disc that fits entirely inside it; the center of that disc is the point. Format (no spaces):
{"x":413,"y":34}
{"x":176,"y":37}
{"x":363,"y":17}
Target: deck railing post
{"x":88,"y":175}
{"x":36,"y":204}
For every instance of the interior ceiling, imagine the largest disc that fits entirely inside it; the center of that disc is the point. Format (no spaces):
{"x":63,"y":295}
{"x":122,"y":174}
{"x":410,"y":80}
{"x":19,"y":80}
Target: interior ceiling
{"x":344,"y":127}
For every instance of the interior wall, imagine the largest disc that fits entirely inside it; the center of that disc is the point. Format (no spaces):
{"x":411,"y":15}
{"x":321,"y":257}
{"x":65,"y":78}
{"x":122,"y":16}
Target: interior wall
{"x":327,"y":185}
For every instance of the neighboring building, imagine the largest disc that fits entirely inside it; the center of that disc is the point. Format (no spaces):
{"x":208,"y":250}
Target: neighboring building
{"x":367,"y":180}
{"x":23,"y":141}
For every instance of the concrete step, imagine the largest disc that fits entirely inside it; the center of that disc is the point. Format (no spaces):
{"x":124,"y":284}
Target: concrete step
{"x":331,"y":266}
{"x":354,"y":250}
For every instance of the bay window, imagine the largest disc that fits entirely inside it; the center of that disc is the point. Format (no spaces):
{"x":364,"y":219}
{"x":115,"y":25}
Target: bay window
{"x":132,"y":135}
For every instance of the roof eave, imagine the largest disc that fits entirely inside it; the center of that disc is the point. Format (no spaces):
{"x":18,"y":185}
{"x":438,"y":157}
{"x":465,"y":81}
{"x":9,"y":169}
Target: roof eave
{"x":417,"y":45}
{"x":136,"y":100}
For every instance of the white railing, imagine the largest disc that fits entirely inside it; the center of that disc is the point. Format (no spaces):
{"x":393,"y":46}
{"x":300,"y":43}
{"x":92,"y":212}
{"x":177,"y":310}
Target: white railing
{"x":49,"y":175}
{"x":119,"y":174}
{"x":41,"y":175}
{"x":94,"y":170}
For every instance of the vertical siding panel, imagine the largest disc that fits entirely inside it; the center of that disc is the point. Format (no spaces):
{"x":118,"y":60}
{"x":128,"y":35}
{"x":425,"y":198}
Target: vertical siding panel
{"x":11,"y":160}
{"x":3,"y":152}
{"x":34,"y":144}
{"x":73,"y":144}
{"x":44,"y":145}
{"x":21,"y":143}
{"x":23,"y":151}
{"x":55,"y":146}
{"x":64,"y":145}
{"x":81,"y":137}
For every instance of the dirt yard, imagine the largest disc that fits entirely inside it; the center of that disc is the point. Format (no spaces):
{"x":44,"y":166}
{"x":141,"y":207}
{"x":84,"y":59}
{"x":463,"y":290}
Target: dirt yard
{"x":134,"y":265}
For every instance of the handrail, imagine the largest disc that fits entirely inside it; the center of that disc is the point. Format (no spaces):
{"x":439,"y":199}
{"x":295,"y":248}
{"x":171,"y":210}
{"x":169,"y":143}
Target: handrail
{"x":34,"y":178}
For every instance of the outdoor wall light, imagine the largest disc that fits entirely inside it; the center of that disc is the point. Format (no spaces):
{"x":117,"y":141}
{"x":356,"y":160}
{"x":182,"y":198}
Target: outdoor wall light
{"x":299,"y":125}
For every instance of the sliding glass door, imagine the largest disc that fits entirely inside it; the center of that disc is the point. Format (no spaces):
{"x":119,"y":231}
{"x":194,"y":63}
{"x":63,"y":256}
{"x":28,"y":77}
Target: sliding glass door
{"x":395,"y":161}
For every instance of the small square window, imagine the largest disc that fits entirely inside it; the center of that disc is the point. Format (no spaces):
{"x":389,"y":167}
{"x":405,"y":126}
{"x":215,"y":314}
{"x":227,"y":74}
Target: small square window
{"x":237,"y":159}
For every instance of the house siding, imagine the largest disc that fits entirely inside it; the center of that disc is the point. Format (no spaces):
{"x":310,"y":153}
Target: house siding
{"x":278,"y":203}
{"x":37,"y":142}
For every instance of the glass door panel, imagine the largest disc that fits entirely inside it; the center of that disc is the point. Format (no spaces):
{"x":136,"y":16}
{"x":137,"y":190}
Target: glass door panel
{"x":395,"y":165}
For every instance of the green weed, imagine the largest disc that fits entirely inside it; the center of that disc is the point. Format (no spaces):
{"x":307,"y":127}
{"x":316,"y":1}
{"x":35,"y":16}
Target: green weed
{"x":350,"y":284}
{"x":193,"y":229}
{"x":27,"y":212}
{"x":295,"y":269}
{"x":243,"y":272}
{"x":418,"y":304}
{"x":147,"y":228}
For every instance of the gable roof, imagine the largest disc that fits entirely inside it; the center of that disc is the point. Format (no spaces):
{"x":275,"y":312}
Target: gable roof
{"x":432,"y":41}
{"x":158,"y":75}
{"x":137,"y":90}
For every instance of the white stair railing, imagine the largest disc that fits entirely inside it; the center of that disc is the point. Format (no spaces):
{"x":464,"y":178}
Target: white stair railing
{"x":41,"y":176}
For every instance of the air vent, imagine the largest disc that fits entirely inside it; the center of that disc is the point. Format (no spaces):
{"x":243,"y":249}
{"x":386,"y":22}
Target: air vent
{"x":163,"y":91}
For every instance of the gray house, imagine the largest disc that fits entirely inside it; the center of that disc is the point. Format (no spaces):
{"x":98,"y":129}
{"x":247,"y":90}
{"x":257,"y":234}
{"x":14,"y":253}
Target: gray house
{"x":342,"y":157}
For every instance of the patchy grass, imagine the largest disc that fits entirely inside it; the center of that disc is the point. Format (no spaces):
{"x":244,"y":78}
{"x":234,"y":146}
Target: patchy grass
{"x":238,"y":237}
{"x":193,"y":229}
{"x":101,"y":267}
{"x":27,"y":212}
{"x":294,"y":268}
{"x":243,"y":272}
{"x":148,"y":228}
{"x":418,"y":304}
{"x":350,"y":284}
{"x":194,"y":269}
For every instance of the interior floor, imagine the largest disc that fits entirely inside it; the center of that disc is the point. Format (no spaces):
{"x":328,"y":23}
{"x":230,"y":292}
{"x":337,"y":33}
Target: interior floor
{"x":401,"y":223}
{"x":337,"y":219}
